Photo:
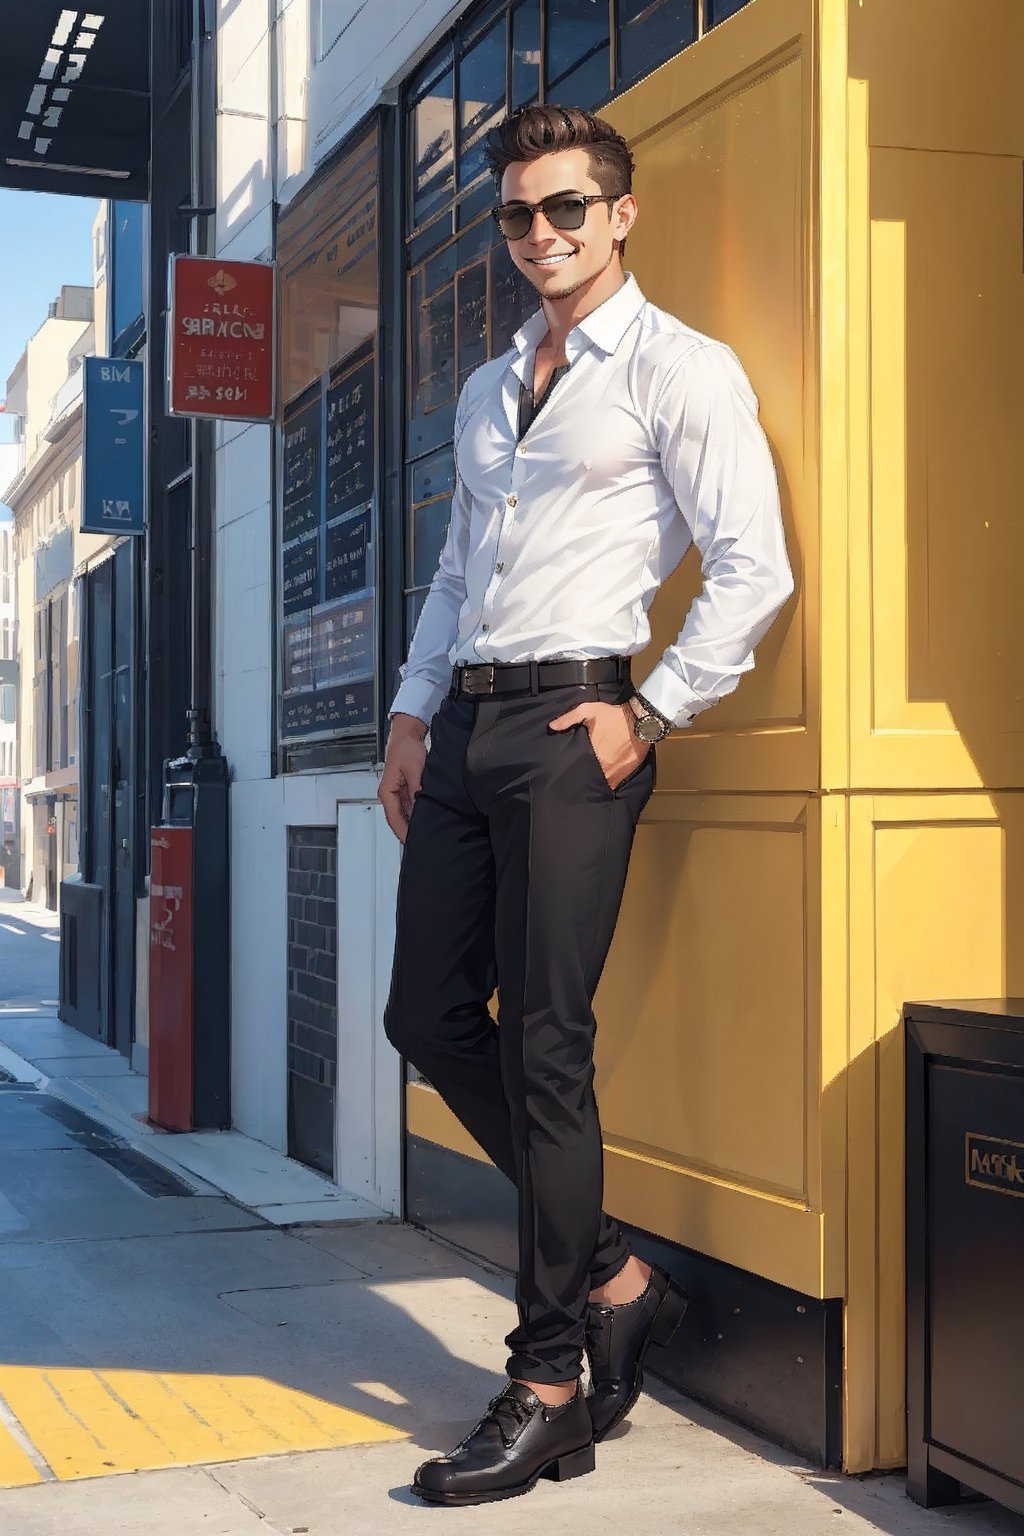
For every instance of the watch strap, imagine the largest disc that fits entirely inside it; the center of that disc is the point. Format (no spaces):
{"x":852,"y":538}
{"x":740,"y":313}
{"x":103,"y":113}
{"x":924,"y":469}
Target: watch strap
{"x":650,"y":709}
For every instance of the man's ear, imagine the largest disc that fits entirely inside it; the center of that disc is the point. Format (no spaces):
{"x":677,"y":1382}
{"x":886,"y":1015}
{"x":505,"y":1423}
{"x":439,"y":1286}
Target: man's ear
{"x":626,"y":206}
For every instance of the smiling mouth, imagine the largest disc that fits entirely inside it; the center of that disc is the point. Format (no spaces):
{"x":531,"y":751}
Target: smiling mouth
{"x":550,"y":261}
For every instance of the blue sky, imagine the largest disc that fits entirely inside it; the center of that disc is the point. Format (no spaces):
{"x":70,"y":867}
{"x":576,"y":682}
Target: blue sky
{"x":44,"y":241}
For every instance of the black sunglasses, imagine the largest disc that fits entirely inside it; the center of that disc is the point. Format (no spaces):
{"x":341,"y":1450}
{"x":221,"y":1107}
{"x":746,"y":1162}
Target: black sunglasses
{"x":563,"y":210}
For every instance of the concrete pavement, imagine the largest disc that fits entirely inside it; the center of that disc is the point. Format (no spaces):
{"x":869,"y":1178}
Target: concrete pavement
{"x":174,"y":1362}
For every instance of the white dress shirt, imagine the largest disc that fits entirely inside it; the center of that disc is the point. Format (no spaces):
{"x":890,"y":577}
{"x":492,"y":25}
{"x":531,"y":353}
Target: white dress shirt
{"x":558,"y":543}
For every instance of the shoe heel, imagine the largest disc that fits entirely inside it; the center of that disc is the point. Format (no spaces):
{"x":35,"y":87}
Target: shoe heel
{"x":575,"y":1464}
{"x":670,"y":1314}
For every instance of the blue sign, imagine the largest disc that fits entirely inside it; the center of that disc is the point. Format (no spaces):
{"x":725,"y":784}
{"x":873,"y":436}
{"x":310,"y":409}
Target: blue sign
{"x":114,"y":463}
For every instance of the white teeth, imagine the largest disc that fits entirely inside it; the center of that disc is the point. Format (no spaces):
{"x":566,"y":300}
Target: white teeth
{"x":550,"y":261}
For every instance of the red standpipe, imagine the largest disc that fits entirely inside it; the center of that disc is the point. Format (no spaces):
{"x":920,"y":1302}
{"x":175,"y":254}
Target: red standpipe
{"x":170,"y":978}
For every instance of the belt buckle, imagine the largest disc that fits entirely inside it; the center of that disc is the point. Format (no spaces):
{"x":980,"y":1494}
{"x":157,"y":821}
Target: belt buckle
{"x":484,"y":673}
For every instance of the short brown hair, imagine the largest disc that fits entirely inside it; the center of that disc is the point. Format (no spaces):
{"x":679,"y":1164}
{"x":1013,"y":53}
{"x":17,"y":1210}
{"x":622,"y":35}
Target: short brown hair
{"x":531,"y":132}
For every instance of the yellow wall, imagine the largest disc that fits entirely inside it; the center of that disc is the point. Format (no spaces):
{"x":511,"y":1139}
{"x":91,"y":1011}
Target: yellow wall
{"x":836,"y":192}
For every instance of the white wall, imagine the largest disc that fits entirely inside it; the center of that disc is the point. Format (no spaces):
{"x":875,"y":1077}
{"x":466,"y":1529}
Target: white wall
{"x":295,"y":77}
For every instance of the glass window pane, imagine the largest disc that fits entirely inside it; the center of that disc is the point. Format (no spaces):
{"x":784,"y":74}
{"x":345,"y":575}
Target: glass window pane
{"x":479,"y":18}
{"x":651,"y":31}
{"x":471,"y":309}
{"x":329,"y":276}
{"x":433,"y":476}
{"x":718,"y":10}
{"x":588,"y":84}
{"x":413,"y":608}
{"x":433,"y":346}
{"x":481,"y":99}
{"x":525,"y":54}
{"x":512,"y":299}
{"x":478,"y":240}
{"x":433,"y":151}
{"x":575,"y":28}
{"x":430,"y":529}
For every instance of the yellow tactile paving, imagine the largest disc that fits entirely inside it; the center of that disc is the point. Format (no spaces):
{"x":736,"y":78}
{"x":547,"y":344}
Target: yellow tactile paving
{"x":16,"y":1471}
{"x":93,"y":1423}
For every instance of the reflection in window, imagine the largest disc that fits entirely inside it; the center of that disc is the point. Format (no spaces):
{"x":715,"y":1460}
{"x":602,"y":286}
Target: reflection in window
{"x":650,"y":31}
{"x":576,"y":29}
{"x":512,"y":299}
{"x":328,"y":262}
{"x":430,"y":528}
{"x":433,"y":345}
{"x":433,"y":148}
{"x":471,"y":308}
{"x":718,"y":10}
{"x":481,"y":99}
{"x":525,"y":54}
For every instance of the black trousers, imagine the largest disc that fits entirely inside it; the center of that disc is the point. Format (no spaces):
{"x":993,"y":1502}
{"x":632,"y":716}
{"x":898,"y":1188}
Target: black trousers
{"x":512,"y":875}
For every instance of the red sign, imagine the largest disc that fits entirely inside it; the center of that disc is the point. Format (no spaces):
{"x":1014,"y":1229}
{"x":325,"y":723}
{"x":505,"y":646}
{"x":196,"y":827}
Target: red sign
{"x":222,"y":338}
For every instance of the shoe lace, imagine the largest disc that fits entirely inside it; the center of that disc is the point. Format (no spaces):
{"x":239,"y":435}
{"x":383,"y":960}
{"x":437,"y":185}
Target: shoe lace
{"x":510,"y":1414}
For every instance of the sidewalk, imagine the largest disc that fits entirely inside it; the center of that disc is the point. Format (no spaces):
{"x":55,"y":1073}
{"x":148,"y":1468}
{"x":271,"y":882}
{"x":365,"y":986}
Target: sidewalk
{"x":174,"y":1360}
{"x":385,"y":1322}
{"x":36,"y":1047}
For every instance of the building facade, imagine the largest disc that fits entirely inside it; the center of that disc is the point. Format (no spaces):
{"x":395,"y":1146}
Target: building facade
{"x":837,"y":837}
{"x":9,"y":808}
{"x":44,"y":394}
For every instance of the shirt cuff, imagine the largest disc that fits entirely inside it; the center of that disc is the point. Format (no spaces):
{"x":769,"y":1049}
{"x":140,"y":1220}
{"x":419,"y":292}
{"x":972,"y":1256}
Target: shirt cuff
{"x":418,"y":696}
{"x":666,"y":692}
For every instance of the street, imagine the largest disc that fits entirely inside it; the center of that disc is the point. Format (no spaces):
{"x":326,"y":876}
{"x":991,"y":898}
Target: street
{"x":171,"y":1362}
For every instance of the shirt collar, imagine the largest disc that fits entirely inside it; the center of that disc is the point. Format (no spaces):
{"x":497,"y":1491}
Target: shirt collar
{"x":604,"y":327}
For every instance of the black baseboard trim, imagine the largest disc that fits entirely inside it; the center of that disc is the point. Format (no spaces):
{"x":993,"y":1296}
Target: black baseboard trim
{"x":769,"y":1357}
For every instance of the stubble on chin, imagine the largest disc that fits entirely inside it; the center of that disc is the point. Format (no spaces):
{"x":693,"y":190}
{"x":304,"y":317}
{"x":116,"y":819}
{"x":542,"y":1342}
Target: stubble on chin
{"x":566,"y":293}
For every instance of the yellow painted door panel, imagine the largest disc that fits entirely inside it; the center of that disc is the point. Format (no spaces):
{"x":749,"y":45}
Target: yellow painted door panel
{"x":937,"y":672}
{"x":725,"y":186}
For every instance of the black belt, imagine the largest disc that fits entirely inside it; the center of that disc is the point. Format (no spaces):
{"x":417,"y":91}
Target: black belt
{"x":532,"y":676}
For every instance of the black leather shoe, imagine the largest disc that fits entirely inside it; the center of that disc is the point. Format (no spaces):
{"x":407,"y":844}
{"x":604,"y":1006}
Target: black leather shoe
{"x":618,"y":1338}
{"x":517,"y":1441}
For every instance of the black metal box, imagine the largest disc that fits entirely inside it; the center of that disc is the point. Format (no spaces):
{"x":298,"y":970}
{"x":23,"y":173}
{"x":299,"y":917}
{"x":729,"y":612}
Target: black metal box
{"x":965,"y":1249}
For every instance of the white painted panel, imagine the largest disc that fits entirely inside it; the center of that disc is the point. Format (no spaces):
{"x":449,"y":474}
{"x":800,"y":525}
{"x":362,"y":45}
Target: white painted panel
{"x":259,"y":962}
{"x":366,"y":49}
{"x":244,"y":727}
{"x":243,"y":56}
{"x":243,"y":473}
{"x":368,"y":1099}
{"x":243,"y":172}
{"x":388,"y":1083}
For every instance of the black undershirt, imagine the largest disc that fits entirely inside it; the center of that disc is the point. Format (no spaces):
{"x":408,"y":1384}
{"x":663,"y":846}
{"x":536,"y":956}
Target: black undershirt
{"x":529,"y":405}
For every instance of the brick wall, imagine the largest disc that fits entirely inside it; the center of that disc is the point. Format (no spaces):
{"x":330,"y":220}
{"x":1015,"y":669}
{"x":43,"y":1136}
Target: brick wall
{"x":312,"y":994}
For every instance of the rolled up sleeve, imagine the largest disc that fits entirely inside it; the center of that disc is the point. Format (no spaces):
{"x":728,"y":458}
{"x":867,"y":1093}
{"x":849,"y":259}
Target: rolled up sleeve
{"x":717,"y":461}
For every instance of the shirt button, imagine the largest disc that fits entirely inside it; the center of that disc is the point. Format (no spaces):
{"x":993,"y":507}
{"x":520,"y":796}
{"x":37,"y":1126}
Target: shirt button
{"x":485,"y":627}
{"x":512,"y":501}
{"x":500,"y":566}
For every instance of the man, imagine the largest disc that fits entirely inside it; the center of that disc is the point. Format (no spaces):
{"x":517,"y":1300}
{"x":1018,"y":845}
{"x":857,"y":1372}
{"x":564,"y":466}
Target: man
{"x":589,"y":457}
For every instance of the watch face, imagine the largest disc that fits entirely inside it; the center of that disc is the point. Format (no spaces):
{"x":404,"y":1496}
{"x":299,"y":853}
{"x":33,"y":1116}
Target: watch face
{"x":649,"y":728}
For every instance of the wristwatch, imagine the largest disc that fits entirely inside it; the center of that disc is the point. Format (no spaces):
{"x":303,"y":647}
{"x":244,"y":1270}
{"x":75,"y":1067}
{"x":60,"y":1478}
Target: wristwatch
{"x":649,"y":725}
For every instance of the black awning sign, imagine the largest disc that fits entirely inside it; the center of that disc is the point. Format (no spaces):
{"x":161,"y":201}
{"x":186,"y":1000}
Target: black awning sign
{"x":74,"y":98}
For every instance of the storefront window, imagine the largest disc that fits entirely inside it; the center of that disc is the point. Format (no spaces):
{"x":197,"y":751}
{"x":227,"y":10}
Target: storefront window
{"x":329,"y":510}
